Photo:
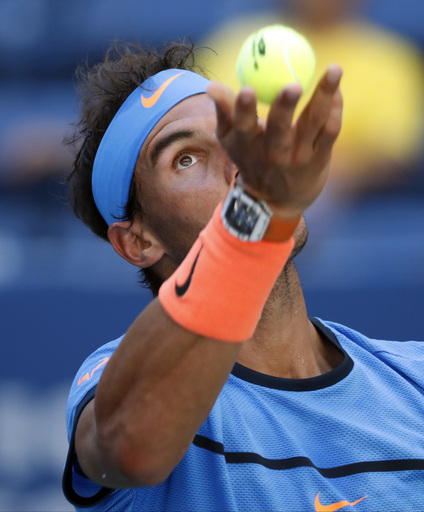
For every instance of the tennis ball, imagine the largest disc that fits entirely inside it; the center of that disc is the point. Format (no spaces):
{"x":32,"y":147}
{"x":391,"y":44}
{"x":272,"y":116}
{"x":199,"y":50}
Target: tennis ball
{"x":274,"y":57}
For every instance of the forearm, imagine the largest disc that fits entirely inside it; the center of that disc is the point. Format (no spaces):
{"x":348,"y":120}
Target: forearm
{"x":154,"y":394}
{"x":164,"y":377}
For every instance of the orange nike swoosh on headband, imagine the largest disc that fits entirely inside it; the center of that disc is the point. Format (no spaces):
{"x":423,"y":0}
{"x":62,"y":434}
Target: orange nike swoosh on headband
{"x":150,"y":102}
{"x":334,"y":506}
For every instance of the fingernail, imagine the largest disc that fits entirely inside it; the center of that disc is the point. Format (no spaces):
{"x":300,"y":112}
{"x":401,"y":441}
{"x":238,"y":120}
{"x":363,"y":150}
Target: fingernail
{"x":247,"y":95}
{"x":293,"y":93}
{"x":245,"y":99}
{"x":334,"y":74}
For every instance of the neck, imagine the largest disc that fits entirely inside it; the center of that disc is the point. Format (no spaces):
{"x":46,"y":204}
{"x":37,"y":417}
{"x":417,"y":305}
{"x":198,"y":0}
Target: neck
{"x":285,"y":343}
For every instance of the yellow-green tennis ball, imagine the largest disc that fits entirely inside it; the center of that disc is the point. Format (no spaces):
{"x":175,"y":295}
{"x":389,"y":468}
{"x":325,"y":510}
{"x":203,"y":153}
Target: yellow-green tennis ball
{"x":274,"y":57}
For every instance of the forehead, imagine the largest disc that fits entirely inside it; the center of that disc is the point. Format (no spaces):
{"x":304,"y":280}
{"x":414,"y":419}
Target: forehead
{"x":196,"y":112}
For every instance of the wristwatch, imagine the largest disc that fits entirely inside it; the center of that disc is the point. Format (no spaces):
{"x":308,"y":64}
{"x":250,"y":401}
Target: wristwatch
{"x":245,"y":217}
{"x":252,"y":220}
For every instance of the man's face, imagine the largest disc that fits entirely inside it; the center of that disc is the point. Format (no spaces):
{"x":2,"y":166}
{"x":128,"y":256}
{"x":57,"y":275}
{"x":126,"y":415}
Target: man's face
{"x":183,"y":173}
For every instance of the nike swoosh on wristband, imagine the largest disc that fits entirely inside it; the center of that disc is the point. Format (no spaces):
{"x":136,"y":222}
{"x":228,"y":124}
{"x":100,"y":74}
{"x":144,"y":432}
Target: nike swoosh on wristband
{"x":334,"y":506}
{"x":150,"y":102}
{"x":180,"y":290}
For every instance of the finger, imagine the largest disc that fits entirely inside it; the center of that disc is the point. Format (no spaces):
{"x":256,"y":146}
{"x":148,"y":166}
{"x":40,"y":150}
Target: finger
{"x":224,"y":99}
{"x":315,"y":115}
{"x":278,"y":136}
{"x":245,"y":118}
{"x":328,"y":135}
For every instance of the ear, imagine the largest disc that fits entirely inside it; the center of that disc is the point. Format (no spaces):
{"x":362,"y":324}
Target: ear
{"x":135,"y":244}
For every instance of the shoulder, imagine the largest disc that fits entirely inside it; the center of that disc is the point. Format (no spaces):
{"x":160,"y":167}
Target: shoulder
{"x":403,"y":357}
{"x":375,"y":344}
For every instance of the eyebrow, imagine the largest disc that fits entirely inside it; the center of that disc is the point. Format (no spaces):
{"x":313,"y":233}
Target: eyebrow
{"x":167,"y":141}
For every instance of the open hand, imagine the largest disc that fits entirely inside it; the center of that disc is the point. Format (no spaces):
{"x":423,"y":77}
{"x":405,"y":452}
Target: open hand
{"x":281,"y":161}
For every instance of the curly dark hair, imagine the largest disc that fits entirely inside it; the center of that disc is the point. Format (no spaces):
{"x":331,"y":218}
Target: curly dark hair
{"x":102,"y":89}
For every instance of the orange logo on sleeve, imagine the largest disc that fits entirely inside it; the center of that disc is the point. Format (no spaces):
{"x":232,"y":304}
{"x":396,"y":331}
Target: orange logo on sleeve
{"x":88,"y":376}
{"x":334,"y":506}
{"x":150,"y":102}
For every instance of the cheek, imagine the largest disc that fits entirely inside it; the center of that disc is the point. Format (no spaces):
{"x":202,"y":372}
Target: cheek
{"x":177,"y":217}
{"x":177,"y":236}
{"x":178,"y":205}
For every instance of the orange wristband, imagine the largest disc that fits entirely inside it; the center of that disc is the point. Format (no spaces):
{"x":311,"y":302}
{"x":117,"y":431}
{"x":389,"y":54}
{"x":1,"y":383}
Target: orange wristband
{"x":221,"y":287}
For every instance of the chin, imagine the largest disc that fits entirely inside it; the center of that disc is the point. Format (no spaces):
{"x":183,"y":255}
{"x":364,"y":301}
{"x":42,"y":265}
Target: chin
{"x":300,"y":238}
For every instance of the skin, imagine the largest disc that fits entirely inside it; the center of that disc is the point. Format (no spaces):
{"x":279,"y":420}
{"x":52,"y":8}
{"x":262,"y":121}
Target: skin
{"x":161,"y":374}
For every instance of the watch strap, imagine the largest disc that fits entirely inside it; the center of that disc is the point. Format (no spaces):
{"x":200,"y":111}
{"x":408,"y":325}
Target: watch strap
{"x":255,"y":215}
{"x":280,"y":230}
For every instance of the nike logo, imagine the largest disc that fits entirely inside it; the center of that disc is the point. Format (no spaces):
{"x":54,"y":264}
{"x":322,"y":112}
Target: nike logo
{"x":335,"y":506}
{"x":180,"y":290}
{"x":150,"y":102}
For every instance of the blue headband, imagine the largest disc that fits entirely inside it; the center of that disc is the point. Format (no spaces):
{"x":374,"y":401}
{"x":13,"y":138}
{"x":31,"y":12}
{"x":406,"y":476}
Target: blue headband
{"x":121,"y":144}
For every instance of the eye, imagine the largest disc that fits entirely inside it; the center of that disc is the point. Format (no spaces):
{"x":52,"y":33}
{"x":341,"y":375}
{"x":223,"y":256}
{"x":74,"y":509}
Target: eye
{"x":185,"y":160}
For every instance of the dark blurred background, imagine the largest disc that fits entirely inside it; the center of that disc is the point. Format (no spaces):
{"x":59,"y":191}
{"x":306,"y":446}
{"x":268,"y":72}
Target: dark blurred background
{"x":63,"y":292}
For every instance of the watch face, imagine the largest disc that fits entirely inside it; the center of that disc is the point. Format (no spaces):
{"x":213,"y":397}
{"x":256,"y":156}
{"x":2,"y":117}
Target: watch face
{"x":241,"y":216}
{"x":244,"y":216}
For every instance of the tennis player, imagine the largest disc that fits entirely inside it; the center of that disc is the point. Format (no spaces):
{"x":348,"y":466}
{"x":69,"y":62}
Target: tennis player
{"x":224,"y":395}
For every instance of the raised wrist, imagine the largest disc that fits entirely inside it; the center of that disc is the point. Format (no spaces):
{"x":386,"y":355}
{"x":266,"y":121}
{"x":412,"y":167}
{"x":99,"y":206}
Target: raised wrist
{"x":251,"y":219}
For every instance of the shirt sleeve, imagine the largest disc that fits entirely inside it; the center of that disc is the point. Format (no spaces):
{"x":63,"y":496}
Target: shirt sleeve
{"x":78,"y":489}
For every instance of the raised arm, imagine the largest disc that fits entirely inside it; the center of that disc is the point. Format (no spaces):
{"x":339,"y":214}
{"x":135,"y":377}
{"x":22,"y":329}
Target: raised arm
{"x":163,"y":379}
